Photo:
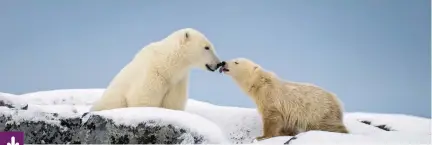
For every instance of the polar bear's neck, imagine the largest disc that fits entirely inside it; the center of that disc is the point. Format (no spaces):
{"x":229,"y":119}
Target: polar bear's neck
{"x":257,"y":85}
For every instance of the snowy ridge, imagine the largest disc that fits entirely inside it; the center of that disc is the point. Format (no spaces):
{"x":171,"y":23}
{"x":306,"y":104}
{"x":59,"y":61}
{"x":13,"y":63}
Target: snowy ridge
{"x":324,"y":138}
{"x":6,"y":94}
{"x":63,"y":97}
{"x":238,"y":125}
{"x":398,"y":122}
{"x":180,"y":118}
{"x":37,"y":113}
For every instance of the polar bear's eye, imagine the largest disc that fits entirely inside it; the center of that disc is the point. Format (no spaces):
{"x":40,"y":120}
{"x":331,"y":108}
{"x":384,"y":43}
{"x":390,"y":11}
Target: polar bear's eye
{"x":206,"y":48}
{"x":236,"y":62}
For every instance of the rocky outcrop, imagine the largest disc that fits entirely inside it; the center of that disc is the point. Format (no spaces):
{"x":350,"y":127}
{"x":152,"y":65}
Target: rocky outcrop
{"x":65,"y":127}
{"x":99,"y":130}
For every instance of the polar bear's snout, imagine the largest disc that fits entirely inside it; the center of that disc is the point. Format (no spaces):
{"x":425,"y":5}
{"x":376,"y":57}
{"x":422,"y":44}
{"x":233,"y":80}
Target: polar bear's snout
{"x":222,"y":63}
{"x":214,"y":64}
{"x":212,"y":67}
{"x":223,"y":67}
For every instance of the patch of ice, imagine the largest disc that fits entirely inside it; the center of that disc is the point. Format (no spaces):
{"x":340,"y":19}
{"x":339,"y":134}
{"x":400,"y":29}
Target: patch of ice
{"x":134,"y":115}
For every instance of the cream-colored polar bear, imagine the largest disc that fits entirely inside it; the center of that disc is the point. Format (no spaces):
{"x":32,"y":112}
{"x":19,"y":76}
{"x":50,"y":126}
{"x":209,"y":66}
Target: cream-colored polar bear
{"x":286,"y":108}
{"x":158,"y":74}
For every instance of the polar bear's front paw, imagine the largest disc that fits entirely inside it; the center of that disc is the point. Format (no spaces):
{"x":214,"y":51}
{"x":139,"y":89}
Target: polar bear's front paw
{"x":260,"y":138}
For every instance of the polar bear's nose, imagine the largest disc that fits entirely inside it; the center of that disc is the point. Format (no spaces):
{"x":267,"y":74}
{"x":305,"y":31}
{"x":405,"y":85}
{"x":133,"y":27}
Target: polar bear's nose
{"x":222,"y":63}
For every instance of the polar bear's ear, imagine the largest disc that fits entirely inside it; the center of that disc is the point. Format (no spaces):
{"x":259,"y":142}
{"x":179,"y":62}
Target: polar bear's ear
{"x":255,"y":69}
{"x":185,"y":38}
{"x":186,"y":35}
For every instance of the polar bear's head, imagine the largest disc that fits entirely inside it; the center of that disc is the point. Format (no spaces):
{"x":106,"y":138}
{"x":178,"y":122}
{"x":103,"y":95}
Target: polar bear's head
{"x":239,"y":68}
{"x":197,"y":49}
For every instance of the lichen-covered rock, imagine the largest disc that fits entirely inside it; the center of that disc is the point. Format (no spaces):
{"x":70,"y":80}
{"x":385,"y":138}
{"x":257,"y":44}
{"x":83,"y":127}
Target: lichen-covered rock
{"x":63,"y":125}
{"x":99,"y":130}
{"x":145,"y":125}
{"x":40,"y":127}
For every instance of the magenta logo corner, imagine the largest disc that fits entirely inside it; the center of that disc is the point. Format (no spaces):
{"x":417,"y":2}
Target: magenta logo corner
{"x":11,"y":138}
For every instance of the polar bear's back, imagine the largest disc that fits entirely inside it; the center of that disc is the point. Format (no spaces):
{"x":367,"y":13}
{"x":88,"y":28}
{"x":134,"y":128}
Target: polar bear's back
{"x":310,"y":100}
{"x":114,"y":95}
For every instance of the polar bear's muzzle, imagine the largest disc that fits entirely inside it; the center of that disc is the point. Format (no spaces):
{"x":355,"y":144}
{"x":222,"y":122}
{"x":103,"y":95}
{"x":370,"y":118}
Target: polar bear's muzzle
{"x":211,"y":67}
{"x":223,"y":67}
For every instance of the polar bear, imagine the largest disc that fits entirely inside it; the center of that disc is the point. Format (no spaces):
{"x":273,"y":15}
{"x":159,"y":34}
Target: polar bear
{"x":158,"y":74}
{"x":286,"y":108}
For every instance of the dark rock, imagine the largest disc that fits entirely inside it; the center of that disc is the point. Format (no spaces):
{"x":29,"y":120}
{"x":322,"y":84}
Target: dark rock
{"x":366,"y":122}
{"x":25,"y":107}
{"x":3,"y":119}
{"x":382,"y":126}
{"x":67,"y":128}
{"x":290,"y":140}
{"x":41,"y":127}
{"x":7,"y":102}
{"x":99,"y":130}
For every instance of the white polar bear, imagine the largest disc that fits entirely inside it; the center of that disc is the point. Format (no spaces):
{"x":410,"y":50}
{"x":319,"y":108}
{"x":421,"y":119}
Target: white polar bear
{"x":158,"y":74}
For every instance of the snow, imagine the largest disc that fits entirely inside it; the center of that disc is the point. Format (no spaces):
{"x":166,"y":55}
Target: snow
{"x":10,"y":99}
{"x":243,"y":124}
{"x":398,"y":122}
{"x":130,"y":117}
{"x":63,"y":97}
{"x":60,"y":109}
{"x":6,"y":94}
{"x":239,"y":125}
{"x":356,"y":127}
{"x":36,"y":114}
{"x":321,"y":137}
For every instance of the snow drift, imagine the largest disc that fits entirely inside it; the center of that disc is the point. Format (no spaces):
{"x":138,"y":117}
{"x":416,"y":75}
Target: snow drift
{"x":56,"y":116}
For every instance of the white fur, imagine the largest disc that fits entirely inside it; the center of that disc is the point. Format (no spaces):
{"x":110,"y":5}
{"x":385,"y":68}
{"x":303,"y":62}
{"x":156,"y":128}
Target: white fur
{"x":158,"y":74}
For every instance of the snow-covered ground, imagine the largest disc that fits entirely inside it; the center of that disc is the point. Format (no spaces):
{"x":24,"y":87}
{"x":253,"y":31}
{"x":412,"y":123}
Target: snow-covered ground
{"x":164,"y":116}
{"x":241,"y":125}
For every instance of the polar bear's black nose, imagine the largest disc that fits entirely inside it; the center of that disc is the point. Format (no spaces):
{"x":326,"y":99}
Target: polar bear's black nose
{"x":222,"y":63}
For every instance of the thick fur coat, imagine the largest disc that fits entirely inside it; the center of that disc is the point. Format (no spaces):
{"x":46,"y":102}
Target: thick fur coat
{"x":158,"y":74}
{"x":287,"y":108}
